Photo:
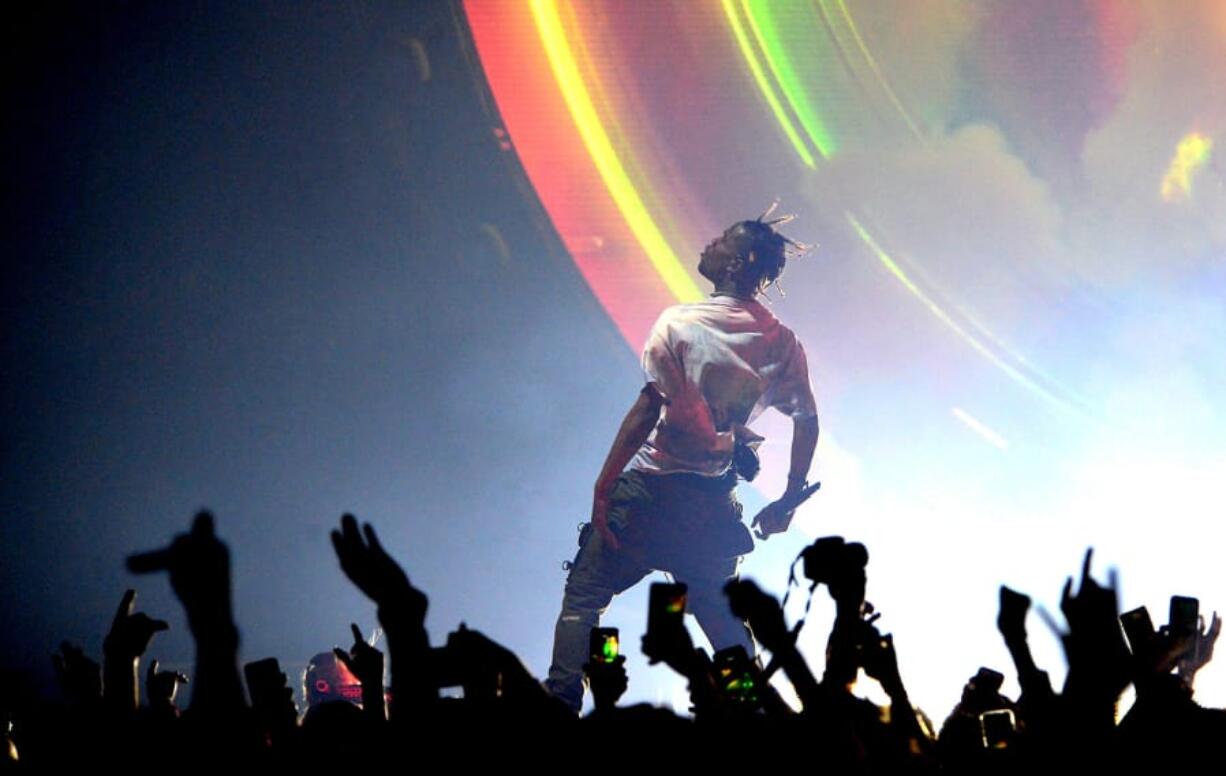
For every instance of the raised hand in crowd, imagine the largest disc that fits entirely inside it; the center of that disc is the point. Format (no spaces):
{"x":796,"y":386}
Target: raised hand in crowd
{"x":401,"y":610}
{"x":668,"y":641}
{"x":607,"y":680}
{"x":880,"y":662}
{"x":199,"y":567}
{"x":369,"y":567}
{"x":490,"y":673}
{"x":161,"y":687}
{"x":366,"y":663}
{"x":122,"y":649}
{"x":765,"y":618}
{"x":1100,"y":665}
{"x":80,"y":678}
{"x":1011,"y":622}
{"x":272,"y":703}
{"x":1200,"y":652}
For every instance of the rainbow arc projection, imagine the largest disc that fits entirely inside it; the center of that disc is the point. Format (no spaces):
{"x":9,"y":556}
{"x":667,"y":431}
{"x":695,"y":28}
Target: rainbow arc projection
{"x":572,"y":105}
{"x":1018,"y":293}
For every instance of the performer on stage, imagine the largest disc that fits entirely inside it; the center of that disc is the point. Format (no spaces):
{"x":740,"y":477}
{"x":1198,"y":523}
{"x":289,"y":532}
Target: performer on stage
{"x":665,"y":499}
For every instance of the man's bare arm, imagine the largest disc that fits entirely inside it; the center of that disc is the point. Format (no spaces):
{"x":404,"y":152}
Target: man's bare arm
{"x":634,"y":430}
{"x":804,"y":443}
{"x":777,"y":516}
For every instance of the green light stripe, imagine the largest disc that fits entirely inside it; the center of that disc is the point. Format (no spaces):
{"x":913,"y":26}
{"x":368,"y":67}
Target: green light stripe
{"x":872,"y":63}
{"x":953,"y":325}
{"x":768,"y":92}
{"x":766,"y":31}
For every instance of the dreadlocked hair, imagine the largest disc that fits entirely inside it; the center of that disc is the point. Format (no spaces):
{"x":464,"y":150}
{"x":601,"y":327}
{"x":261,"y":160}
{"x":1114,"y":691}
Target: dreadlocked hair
{"x":765,"y":251}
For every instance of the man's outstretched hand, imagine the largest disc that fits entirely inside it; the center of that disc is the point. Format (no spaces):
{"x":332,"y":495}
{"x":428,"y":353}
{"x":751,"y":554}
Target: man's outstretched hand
{"x":774,"y":518}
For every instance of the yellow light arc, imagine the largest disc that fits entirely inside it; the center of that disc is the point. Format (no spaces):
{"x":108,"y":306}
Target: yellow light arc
{"x":764,"y":85}
{"x":596,"y":140}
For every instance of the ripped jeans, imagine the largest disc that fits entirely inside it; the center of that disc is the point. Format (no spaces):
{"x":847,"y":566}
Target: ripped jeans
{"x":686,"y":525}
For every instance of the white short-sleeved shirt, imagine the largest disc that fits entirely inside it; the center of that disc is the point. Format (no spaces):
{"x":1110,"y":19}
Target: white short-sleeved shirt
{"x":720,"y":363}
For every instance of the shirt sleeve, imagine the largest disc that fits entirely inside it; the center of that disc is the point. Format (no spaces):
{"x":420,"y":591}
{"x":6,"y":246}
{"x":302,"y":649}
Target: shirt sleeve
{"x":662,"y":363}
{"x":793,"y":393}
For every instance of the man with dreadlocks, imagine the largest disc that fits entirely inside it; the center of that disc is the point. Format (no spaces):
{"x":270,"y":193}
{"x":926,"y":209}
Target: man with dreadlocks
{"x":665,"y":499}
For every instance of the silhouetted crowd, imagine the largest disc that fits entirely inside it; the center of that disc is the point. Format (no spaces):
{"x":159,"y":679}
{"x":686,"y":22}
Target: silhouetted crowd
{"x":505,"y":716}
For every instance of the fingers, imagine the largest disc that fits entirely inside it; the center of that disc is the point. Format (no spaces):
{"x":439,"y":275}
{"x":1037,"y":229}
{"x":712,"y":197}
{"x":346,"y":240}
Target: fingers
{"x":343,"y":656}
{"x":759,"y":526}
{"x":1085,"y":565}
{"x":347,"y":541}
{"x":125,"y":605}
{"x":349,"y":531}
{"x":372,"y":538}
{"x":1012,"y":598}
{"x":357,"y":634}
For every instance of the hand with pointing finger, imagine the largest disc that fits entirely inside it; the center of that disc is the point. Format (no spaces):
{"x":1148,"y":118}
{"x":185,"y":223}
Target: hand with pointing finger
{"x":366,"y":663}
{"x":130,"y":632}
{"x":127,"y":640}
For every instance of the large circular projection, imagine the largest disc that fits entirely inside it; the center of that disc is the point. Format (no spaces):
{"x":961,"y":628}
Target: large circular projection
{"x":1014,"y":310}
